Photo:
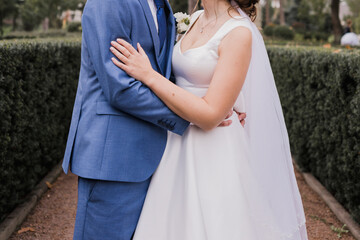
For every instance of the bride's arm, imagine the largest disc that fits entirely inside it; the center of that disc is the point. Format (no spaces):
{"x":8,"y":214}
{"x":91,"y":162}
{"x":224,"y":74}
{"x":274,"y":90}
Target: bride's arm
{"x":206,"y":112}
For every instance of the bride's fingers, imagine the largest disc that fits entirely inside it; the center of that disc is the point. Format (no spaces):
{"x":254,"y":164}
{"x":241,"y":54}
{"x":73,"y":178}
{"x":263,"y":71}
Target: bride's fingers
{"x":229,"y":114}
{"x":141,"y":50}
{"x":225,"y":123}
{"x":119,"y":64}
{"x":127,"y":45}
{"x":119,"y":55}
{"x":120,"y":48}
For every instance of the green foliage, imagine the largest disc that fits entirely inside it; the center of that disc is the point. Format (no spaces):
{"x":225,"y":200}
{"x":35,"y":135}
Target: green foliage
{"x":283,"y":32}
{"x":7,"y":7}
{"x":32,"y":12}
{"x":357,"y":25}
{"x":37,"y":91}
{"x":354,"y":6}
{"x":320,"y":94}
{"x":179,"y":6}
{"x":74,"y":27}
{"x":52,"y":33}
{"x":339,"y":231}
{"x":315,"y":15}
{"x":269,"y":30}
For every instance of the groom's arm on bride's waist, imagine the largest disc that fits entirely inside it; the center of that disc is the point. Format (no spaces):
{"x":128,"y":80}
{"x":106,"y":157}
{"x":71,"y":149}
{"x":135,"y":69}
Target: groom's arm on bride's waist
{"x":104,"y":21}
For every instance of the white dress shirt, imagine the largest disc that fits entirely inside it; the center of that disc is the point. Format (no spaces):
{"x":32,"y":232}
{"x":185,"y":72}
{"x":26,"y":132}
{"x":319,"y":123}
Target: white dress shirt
{"x":153,"y":12}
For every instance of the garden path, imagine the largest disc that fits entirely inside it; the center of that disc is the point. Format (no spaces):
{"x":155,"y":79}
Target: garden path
{"x":53,"y":217}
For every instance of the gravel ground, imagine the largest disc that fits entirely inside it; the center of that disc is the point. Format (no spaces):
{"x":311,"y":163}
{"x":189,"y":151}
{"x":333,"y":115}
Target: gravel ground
{"x":53,"y":217}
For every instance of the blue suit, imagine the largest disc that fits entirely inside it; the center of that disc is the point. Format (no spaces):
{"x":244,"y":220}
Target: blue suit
{"x":119,"y":127}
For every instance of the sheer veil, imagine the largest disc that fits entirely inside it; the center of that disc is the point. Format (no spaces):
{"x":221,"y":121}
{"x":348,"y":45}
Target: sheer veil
{"x":269,"y":143}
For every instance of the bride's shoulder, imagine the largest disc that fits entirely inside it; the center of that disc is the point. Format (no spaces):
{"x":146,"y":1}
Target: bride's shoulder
{"x":195,"y":15}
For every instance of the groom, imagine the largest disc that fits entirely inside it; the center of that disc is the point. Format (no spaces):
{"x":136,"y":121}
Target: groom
{"x":119,"y":127}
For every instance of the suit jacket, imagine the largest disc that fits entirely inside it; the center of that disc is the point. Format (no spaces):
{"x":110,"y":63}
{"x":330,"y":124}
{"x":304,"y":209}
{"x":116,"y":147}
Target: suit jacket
{"x":119,"y":126}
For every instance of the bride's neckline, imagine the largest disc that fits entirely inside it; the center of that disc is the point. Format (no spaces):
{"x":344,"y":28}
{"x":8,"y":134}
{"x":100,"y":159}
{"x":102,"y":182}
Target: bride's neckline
{"x":190,"y":27}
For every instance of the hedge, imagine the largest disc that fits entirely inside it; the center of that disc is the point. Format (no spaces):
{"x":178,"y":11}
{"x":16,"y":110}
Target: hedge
{"x":320,"y":95}
{"x":38,"y":82}
{"x":319,"y":90}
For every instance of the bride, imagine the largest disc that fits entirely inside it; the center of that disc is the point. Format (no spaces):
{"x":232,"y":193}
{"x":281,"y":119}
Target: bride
{"x":219,"y":183}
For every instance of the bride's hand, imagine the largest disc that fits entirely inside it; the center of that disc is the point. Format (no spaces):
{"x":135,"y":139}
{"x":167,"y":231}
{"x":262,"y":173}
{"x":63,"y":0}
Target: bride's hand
{"x":135,"y":63}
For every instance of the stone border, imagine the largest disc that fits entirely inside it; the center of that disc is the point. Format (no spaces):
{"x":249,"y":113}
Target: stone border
{"x":18,"y":215}
{"x":341,"y":213}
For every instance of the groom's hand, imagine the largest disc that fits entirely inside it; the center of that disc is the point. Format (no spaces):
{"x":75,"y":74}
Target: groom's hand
{"x":227,"y":122}
{"x":241,"y":117}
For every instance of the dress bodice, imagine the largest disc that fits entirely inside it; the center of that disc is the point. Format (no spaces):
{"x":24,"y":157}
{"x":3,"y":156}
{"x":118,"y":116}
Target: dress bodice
{"x":195,"y":67}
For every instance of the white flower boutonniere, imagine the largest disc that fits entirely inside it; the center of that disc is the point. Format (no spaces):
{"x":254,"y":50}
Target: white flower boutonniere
{"x":183,"y":22}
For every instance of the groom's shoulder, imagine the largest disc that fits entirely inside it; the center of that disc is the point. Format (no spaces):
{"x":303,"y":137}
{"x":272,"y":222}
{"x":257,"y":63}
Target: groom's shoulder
{"x":104,"y":4}
{"x":111,"y":5}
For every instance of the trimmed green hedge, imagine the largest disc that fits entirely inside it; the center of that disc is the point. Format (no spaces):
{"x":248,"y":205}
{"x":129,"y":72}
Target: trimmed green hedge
{"x":319,"y":89}
{"x":320,"y":95}
{"x":37,"y":89}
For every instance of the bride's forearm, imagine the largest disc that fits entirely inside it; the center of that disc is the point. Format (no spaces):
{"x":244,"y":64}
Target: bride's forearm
{"x":185,"y":104}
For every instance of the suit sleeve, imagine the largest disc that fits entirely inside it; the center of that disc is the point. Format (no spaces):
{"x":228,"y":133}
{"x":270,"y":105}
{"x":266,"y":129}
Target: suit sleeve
{"x":103,"y":21}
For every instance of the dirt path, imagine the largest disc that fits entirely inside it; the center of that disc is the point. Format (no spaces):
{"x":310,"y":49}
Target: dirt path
{"x":53,"y":218}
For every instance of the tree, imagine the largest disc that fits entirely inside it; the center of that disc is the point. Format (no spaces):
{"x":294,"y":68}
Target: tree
{"x":282,"y":14}
{"x":7,"y":8}
{"x":267,"y":12}
{"x":31,"y":13}
{"x":337,"y":28}
{"x":54,"y":8}
{"x":191,"y":5}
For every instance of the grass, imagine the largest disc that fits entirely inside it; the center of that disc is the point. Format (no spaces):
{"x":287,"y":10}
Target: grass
{"x":337,"y":230}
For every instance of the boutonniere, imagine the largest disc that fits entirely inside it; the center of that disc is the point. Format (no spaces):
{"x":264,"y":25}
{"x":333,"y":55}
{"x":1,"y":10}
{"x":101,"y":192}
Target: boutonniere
{"x":182,"y":22}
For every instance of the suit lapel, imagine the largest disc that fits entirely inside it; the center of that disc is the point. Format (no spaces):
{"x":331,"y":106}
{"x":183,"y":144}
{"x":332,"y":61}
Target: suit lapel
{"x":171,"y":41}
{"x":154,"y":33}
{"x":151,"y":24}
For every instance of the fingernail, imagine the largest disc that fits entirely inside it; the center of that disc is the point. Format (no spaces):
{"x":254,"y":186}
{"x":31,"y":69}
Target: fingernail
{"x":111,"y":48}
{"x":118,"y":39}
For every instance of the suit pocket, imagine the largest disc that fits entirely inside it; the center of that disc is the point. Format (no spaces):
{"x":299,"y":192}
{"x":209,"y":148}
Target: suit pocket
{"x":104,"y":108}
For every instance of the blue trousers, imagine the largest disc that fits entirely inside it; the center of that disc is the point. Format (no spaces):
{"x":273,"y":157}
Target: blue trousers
{"x":108,"y":210}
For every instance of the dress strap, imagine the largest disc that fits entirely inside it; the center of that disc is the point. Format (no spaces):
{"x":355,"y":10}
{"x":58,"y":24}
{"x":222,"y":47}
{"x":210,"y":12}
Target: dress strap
{"x":193,"y":19}
{"x":230,"y":25}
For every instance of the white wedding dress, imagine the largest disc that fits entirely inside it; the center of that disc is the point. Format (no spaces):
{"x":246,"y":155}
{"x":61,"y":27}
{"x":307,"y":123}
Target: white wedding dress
{"x":205,"y":187}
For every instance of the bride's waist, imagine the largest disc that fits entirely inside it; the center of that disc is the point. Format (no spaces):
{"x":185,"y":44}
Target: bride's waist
{"x":198,"y":90}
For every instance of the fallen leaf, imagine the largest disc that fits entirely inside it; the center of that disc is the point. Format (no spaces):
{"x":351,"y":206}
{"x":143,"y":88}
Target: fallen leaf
{"x":348,"y":47}
{"x":27,"y":229}
{"x":49,"y":185}
{"x":327,"y":45}
{"x":337,"y":51}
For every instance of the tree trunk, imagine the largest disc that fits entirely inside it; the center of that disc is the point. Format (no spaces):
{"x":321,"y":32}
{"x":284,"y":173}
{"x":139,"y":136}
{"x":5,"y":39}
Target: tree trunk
{"x":1,"y":24}
{"x":282,"y":14}
{"x":267,"y":12}
{"x":191,"y":6}
{"x":15,"y":16}
{"x":337,"y":28}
